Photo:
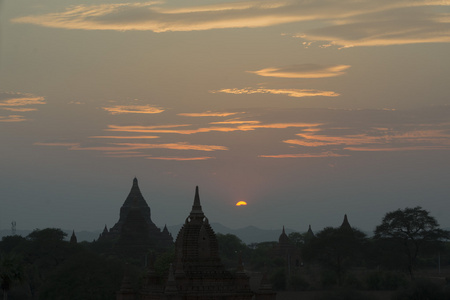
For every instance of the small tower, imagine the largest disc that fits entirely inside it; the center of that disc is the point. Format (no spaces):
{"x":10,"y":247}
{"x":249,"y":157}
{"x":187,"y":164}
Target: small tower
{"x":73,"y":238}
{"x":345,"y":226}
{"x":310,"y":233}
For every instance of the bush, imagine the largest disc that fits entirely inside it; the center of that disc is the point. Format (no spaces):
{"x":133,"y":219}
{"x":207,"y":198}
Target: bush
{"x":422,"y":289}
{"x":390,"y":281}
{"x":328,"y":278}
{"x":345,"y":294}
{"x":353,"y":282}
{"x":278,"y":279}
{"x":298,"y":283}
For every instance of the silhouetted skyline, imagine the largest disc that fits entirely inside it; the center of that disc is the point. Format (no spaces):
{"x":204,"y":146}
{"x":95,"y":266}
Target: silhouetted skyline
{"x":305,"y":110}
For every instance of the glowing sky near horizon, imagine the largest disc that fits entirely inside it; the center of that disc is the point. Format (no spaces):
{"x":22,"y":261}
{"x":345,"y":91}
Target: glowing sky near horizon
{"x":309,"y":110}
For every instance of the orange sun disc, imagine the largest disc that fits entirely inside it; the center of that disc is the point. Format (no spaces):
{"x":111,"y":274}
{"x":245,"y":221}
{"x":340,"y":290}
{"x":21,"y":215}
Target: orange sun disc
{"x":241,"y":203}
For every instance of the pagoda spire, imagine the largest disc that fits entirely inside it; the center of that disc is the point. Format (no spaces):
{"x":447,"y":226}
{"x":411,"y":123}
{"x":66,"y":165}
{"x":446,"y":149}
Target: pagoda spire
{"x":196,"y":207}
{"x":73,"y":238}
{"x":345,"y":224}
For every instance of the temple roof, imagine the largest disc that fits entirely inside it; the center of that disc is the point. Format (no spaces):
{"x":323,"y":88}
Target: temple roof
{"x":135,"y":198}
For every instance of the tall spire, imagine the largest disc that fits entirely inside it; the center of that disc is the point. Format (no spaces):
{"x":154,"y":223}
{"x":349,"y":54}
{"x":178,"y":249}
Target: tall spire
{"x":196,"y":207}
{"x":73,"y":238}
{"x":283,"y":239}
{"x":345,"y":224}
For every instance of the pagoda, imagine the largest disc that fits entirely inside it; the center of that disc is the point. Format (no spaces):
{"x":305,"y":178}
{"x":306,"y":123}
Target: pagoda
{"x":197,"y":272}
{"x":135,"y":233}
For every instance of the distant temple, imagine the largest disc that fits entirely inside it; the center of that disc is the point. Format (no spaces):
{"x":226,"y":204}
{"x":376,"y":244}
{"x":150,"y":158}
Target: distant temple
{"x":73,"y":238}
{"x":197,"y":272}
{"x":345,"y":226}
{"x":135,"y":233}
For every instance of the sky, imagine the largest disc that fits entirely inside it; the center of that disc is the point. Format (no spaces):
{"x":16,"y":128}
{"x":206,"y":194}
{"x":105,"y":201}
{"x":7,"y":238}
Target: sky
{"x":305,"y":109}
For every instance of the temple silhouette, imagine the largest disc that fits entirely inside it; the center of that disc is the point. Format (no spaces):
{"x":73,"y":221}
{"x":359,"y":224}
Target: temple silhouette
{"x":196,"y":272}
{"x":135,"y":233}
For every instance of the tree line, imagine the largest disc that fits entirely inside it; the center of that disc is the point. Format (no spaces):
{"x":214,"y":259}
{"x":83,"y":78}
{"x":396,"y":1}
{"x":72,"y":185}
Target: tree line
{"x":44,"y":265}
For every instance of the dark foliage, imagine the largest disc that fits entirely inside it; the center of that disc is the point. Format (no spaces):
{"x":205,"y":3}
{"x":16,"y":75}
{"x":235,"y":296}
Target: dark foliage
{"x":409,"y":232}
{"x":422,"y":289}
{"x":84,"y":276}
{"x":337,"y":249}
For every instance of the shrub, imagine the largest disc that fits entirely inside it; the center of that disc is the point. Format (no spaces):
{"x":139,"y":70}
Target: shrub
{"x":380,"y":280}
{"x":422,"y":289}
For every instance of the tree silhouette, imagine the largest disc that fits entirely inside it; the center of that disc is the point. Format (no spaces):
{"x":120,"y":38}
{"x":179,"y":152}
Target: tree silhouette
{"x":336,"y":248}
{"x":11,"y":272}
{"x":412,"y":230}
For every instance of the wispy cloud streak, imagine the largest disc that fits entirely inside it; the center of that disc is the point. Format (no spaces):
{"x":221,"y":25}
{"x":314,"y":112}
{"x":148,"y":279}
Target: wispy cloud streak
{"x":303,"y":71}
{"x":210,"y":114}
{"x":346,"y":23}
{"x":137,"y":146}
{"x":181,"y":158}
{"x":18,"y":102}
{"x":305,"y":155}
{"x":125,"y":137}
{"x":297,"y":93}
{"x":8,"y":100}
{"x":12,"y":118}
{"x":133,"y":109}
{"x":239,"y":127}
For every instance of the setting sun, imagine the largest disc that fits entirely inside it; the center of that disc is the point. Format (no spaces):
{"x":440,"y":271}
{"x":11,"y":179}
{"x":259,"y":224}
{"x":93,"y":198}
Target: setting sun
{"x":240,"y":203}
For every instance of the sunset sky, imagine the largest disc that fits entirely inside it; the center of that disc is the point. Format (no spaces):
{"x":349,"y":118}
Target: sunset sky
{"x":305,"y":109}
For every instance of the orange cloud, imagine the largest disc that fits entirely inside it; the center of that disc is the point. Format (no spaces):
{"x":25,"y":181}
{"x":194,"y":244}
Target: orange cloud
{"x":303,"y":71}
{"x":155,"y":127}
{"x":241,"y":127}
{"x":353,"y":23}
{"x":137,"y":146}
{"x":21,"y":109}
{"x":12,"y":118}
{"x":146,"y":16}
{"x":174,"y":146}
{"x":19,"y":99}
{"x":58,"y":144}
{"x":133,"y":109}
{"x":394,"y":149}
{"x":125,"y":137}
{"x":232,"y":122}
{"x":182,"y":158}
{"x":210,"y":114}
{"x":297,"y":93}
{"x":381,"y":139}
{"x":310,"y":140}
{"x":124,"y":155}
{"x":15,"y":101}
{"x":401,"y":24}
{"x":304,"y":155}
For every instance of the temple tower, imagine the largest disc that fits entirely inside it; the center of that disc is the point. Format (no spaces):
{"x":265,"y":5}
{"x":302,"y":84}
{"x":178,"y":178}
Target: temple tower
{"x":135,"y":233}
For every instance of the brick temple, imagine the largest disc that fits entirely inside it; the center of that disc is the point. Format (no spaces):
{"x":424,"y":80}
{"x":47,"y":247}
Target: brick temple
{"x":197,"y":272}
{"x":135,"y":233}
